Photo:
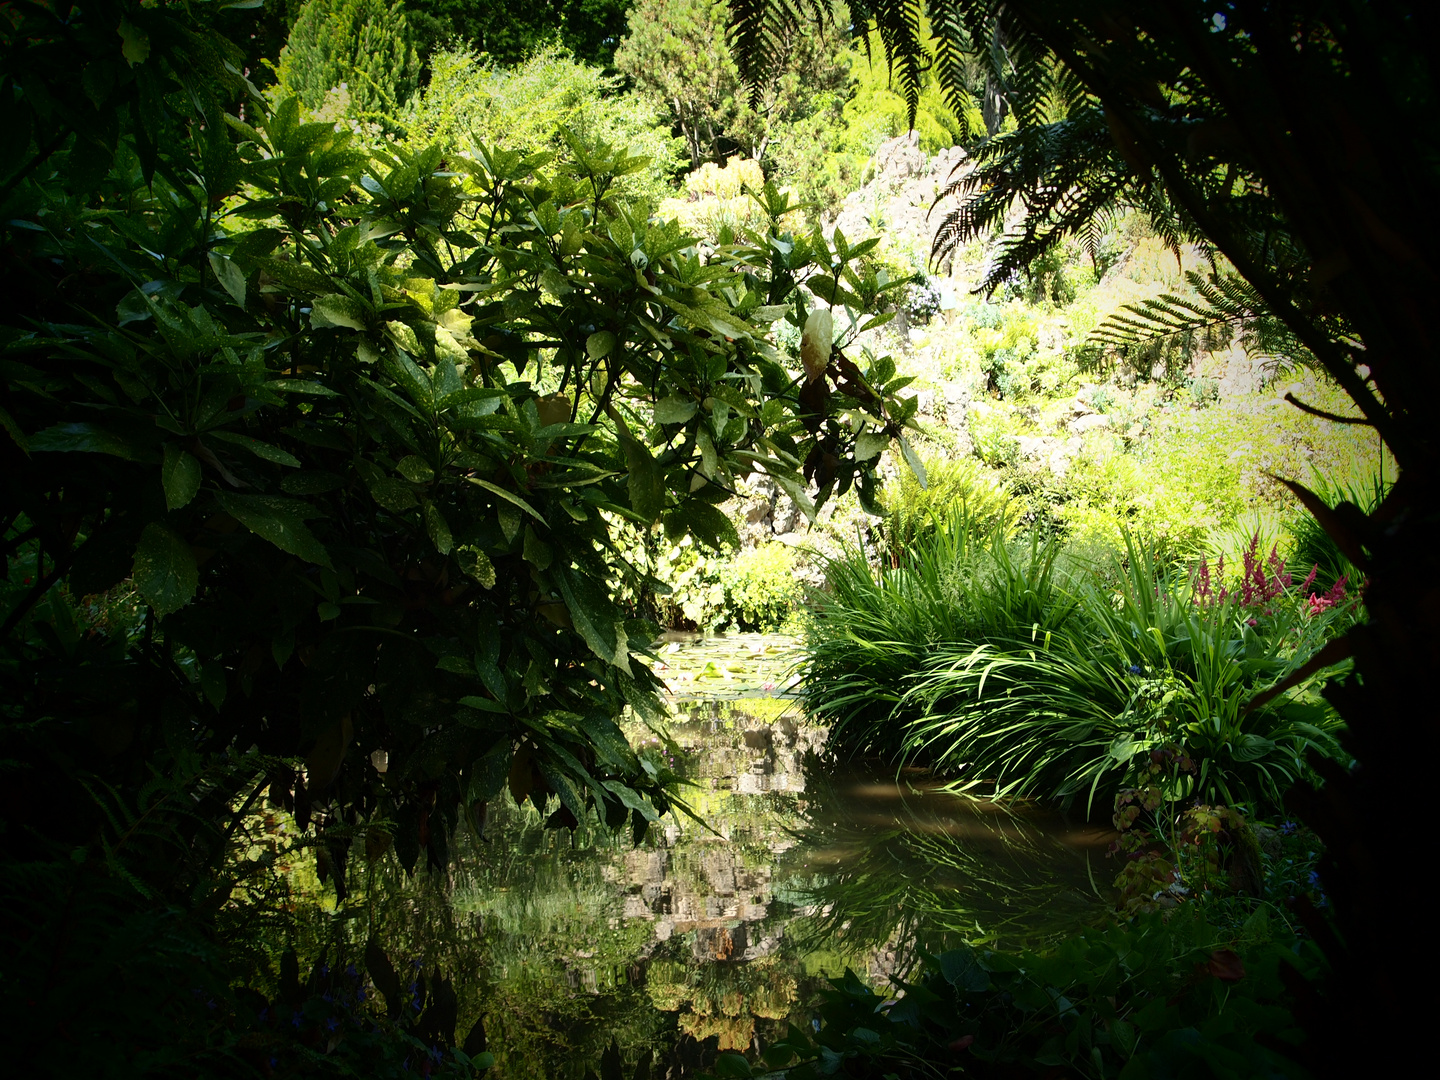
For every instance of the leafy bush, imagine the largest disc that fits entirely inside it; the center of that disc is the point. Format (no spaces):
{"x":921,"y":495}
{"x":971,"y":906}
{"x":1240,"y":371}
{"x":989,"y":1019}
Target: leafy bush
{"x":718,"y":199}
{"x":754,"y":589}
{"x":1039,"y":683}
{"x":871,"y":629}
{"x":354,"y":428}
{"x":366,"y":45}
{"x":953,"y":486}
{"x":678,"y":54}
{"x":1313,"y":546}
{"x":469,"y":101}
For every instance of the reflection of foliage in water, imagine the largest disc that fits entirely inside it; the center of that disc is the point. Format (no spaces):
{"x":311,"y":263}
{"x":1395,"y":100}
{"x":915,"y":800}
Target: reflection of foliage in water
{"x":697,"y":939}
{"x":946,"y":870}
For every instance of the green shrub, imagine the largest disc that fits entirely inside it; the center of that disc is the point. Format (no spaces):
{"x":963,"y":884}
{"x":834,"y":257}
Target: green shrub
{"x":1031,"y":680}
{"x":751,"y":590}
{"x":872,"y":629}
{"x":912,"y":510}
{"x":469,"y":101}
{"x":1313,"y":546}
{"x":364,"y":45}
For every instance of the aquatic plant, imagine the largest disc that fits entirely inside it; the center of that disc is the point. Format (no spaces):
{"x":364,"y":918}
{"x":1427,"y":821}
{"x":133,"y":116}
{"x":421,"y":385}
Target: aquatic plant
{"x":1032,"y":682}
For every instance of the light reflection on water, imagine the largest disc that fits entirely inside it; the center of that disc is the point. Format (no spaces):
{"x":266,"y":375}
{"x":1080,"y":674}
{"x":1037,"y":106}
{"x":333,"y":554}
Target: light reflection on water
{"x":716,"y":933}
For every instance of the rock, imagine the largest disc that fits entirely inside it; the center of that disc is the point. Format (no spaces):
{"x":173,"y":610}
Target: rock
{"x":784,"y":516}
{"x":1089,"y":422}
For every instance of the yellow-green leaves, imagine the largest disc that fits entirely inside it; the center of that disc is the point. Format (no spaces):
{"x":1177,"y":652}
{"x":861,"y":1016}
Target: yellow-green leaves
{"x":164,"y":569}
{"x":600,"y":344}
{"x":868,"y":444}
{"x":338,"y":310}
{"x":475,"y":564}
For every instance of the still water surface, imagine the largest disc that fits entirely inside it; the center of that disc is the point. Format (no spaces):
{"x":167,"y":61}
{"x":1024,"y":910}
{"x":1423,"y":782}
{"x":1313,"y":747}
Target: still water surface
{"x":717,"y":933}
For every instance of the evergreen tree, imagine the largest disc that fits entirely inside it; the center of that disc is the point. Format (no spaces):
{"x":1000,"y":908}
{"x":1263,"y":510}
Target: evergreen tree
{"x":366,"y":45}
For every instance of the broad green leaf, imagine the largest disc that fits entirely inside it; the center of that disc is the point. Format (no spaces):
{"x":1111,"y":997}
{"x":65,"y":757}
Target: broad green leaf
{"x":509,"y":497}
{"x":646,"y":480}
{"x":180,"y":476}
{"x":674,"y":410}
{"x":537,"y":552}
{"x":564,"y":785}
{"x":164,"y":569}
{"x":476,"y":564}
{"x":600,"y":344}
{"x":913,"y":460}
{"x":230,"y":276}
{"x":88,"y":438}
{"x":708,"y":458}
{"x":484,"y":704}
{"x":632,"y":799}
{"x":868,"y":444}
{"x":338,"y":310}
{"x":286,"y":531}
{"x":134,"y":43}
{"x":553,"y":283}
{"x":594,"y":615}
{"x":509,"y":522}
{"x":437,"y":527}
{"x":256,"y":447}
{"x":212,"y":682}
{"x":415,"y":469}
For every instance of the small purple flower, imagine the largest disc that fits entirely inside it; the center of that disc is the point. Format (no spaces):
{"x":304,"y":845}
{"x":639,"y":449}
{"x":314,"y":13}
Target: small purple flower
{"x":1134,"y":669}
{"x":332,"y":1023}
{"x":1287,"y":829}
{"x":295,"y":1020}
{"x":1314,"y":879}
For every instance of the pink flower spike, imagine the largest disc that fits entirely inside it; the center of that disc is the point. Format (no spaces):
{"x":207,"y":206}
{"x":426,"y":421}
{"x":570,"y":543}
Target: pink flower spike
{"x":1310,"y":578}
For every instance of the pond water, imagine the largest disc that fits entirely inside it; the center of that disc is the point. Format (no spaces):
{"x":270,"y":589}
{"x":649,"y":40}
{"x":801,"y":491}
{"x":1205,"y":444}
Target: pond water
{"x":715,"y":934}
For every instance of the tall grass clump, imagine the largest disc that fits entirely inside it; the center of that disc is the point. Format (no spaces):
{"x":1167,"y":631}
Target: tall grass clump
{"x":990,"y":660}
{"x":874,"y":627}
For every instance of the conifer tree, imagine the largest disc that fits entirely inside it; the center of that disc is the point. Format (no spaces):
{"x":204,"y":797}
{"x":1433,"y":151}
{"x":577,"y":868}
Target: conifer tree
{"x":366,"y":45}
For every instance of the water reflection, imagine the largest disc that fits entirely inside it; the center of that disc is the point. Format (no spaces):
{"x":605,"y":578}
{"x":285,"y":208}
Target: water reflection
{"x":716,"y":933}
